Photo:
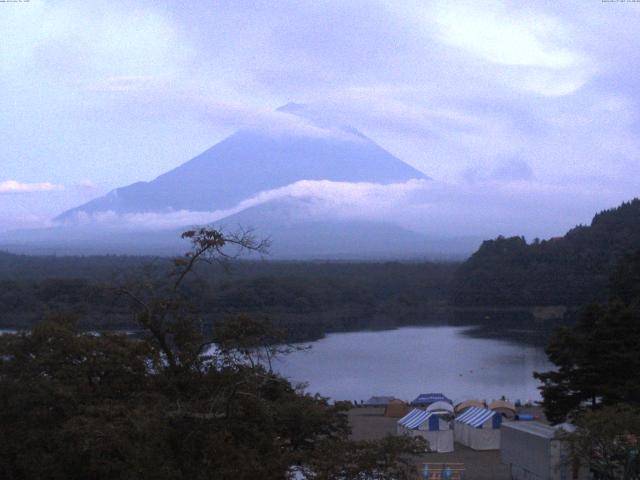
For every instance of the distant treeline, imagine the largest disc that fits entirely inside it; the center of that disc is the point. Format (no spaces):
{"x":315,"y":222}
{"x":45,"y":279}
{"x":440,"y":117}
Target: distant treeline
{"x":312,"y":298}
{"x":307,"y":298}
{"x":571,"y":270}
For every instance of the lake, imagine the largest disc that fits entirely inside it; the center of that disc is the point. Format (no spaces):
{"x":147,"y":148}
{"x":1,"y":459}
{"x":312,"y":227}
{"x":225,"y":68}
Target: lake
{"x":407,"y":361}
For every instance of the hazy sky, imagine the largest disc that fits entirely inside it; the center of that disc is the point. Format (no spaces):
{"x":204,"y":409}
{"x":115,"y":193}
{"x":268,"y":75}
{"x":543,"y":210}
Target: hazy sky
{"x":529,"y":108}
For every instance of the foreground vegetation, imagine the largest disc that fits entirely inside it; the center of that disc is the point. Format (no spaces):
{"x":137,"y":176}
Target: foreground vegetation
{"x":76,"y":405}
{"x":596,"y":383}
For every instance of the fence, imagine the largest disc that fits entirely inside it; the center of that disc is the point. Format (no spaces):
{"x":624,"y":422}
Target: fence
{"x":443,"y":471}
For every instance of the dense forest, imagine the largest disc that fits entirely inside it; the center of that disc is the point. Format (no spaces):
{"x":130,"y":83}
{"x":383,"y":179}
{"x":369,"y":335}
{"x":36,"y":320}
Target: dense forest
{"x":163,"y":406}
{"x":307,"y":299}
{"x":570,"y":270}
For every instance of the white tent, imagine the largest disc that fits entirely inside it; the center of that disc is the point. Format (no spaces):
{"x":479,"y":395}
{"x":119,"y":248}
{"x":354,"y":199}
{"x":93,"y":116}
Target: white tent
{"x":428,"y":425}
{"x":478,"y":428}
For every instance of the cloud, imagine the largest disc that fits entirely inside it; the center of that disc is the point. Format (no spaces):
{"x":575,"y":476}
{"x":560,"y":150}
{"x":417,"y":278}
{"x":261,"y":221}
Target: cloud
{"x":487,"y":207}
{"x":305,"y":121}
{"x":449,"y":87}
{"x":527,"y":39}
{"x":87,"y":184}
{"x":529,"y":48}
{"x":505,"y":171}
{"x":121,"y":84}
{"x":12,"y":186}
{"x":10,"y":221}
{"x":72,"y":42}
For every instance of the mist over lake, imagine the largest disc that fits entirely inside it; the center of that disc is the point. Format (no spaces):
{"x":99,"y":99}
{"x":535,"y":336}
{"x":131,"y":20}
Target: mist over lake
{"x":407,"y":361}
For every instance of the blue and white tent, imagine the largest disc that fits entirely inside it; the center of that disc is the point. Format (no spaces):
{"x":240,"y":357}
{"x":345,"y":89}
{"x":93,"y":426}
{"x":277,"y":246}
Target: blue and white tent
{"x":419,"y":419}
{"x":430,"y":426}
{"x":426,"y":399}
{"x":478,"y":428}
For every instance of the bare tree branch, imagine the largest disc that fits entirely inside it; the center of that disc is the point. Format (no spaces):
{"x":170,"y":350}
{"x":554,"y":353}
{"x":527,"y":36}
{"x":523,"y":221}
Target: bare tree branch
{"x":208,"y":246}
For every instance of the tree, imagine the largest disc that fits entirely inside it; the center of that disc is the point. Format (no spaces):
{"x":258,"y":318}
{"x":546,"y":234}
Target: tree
{"x":609,"y":439}
{"x":165,"y":405}
{"x":571,"y":270}
{"x":366,"y":460}
{"x":598,"y":358}
{"x":243,"y":338}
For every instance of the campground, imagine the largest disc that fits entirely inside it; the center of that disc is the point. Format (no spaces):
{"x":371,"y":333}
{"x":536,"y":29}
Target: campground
{"x":369,"y":423}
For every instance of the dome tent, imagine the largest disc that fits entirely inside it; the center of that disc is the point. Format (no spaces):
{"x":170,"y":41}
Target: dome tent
{"x":504,"y":408}
{"x":441,"y":407}
{"x":463,"y":406}
{"x":396,"y":408}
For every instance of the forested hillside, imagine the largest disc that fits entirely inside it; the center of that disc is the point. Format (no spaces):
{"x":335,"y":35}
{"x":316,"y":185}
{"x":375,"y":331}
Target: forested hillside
{"x":307,"y":298}
{"x":571,"y":270}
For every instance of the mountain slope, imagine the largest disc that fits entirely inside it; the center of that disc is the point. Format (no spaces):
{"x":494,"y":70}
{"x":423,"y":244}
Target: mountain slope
{"x":295,"y":233}
{"x":571,"y":270}
{"x":298,"y":230}
{"x":251,"y":161}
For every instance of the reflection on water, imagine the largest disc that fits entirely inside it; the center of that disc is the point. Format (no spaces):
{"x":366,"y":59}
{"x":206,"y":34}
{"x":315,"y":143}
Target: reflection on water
{"x":409,"y":361}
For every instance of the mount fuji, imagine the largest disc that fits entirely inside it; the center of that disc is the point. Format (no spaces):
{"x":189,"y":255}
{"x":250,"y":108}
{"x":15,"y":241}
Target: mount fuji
{"x":254,"y":160}
{"x":264,"y":178}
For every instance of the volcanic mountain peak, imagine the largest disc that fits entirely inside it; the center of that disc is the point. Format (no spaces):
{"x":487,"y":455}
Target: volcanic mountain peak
{"x":255,"y":160}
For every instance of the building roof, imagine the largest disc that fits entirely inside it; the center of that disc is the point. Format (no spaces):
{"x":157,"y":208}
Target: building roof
{"x":378,"y":401}
{"x":475,"y":416}
{"x":415,"y":418}
{"x":538,"y":429}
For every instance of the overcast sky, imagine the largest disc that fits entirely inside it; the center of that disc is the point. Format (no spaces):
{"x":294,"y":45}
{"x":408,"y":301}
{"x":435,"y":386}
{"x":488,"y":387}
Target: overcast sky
{"x":529,"y":106}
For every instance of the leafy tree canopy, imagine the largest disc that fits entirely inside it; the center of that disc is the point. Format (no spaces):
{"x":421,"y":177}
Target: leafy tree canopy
{"x":571,"y":270}
{"x":166,"y":405}
{"x":598,"y":359}
{"x":609,"y":439}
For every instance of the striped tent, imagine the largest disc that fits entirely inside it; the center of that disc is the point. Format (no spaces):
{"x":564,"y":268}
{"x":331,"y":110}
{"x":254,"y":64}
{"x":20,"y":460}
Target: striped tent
{"x":476,"y":417}
{"x":417,"y":418}
{"x":428,"y":425}
{"x":478,"y":428}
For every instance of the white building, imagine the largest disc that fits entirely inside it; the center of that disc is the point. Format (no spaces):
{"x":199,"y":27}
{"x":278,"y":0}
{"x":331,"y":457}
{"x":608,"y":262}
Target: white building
{"x":534,"y":451}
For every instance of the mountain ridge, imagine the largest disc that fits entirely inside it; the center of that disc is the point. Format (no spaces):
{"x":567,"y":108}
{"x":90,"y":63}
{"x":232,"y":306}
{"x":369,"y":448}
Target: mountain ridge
{"x":569,"y":270}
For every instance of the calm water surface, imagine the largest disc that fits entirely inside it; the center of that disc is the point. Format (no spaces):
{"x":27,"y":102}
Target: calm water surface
{"x":413,"y":360}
